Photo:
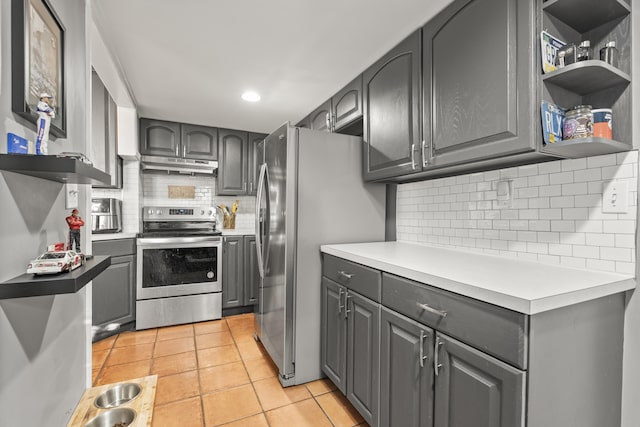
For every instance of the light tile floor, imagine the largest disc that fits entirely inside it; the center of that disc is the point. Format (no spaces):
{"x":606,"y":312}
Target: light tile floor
{"x":215,"y":373}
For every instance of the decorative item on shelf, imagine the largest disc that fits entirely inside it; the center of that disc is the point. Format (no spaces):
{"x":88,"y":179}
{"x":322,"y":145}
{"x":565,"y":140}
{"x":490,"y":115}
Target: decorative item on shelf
{"x":55,"y":261}
{"x":584,"y":51}
{"x":74,"y":221}
{"x":566,"y":55}
{"x":46,"y":112}
{"x":602,"y":123}
{"x":19,"y":145}
{"x":552,"y":121}
{"x":578,"y":123}
{"x":37,"y":66}
{"x":549,"y":47}
{"x":77,"y":156}
{"x":609,"y":54}
{"x":229,"y":217}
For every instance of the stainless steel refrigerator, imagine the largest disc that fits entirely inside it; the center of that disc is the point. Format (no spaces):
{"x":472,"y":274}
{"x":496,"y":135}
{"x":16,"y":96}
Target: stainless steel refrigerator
{"x":310,"y":192}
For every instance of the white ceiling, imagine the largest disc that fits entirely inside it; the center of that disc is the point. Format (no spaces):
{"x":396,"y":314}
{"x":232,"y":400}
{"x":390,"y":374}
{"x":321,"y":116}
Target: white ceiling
{"x":190,"y":60}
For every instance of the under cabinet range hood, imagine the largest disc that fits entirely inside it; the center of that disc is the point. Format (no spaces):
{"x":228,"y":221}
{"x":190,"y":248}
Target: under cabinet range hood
{"x":178,"y":165}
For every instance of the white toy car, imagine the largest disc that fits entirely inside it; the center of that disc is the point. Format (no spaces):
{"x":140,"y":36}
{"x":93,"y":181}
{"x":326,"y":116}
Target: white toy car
{"x":55,"y":262}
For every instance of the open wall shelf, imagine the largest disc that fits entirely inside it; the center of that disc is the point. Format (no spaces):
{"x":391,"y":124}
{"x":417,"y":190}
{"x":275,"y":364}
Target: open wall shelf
{"x":29,"y":285}
{"x":585,"y":147}
{"x":584,"y":15}
{"x":586,"y":77}
{"x":53,"y":168}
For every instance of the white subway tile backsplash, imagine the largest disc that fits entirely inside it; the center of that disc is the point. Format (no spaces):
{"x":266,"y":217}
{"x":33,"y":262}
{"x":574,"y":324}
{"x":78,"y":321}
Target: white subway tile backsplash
{"x":554,"y":216}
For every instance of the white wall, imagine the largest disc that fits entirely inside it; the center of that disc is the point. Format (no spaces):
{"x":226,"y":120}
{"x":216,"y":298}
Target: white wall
{"x":631,"y":372}
{"x":43,"y":340}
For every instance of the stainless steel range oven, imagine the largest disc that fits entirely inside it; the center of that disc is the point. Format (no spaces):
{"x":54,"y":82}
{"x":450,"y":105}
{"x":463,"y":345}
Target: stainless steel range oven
{"x":179,"y":267}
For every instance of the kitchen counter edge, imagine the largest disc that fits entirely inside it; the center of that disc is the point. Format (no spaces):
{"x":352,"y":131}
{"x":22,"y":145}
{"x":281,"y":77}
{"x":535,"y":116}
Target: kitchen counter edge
{"x":540,"y":287}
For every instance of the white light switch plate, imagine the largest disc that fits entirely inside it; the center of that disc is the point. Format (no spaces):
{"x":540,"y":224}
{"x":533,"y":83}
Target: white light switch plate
{"x":615,"y":197}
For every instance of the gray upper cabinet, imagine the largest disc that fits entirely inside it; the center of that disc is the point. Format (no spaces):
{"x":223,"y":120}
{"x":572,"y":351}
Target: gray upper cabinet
{"x":251,"y":274}
{"x":170,"y":139}
{"x":406,"y":373}
{"x":255,"y":151}
{"x":346,"y":108}
{"x":320,"y":118}
{"x":232,"y":167}
{"x":159,"y":138}
{"x":104,"y":138}
{"x":391,"y":116}
{"x":478,"y":71}
{"x":199,"y":142}
{"x":474,"y":389}
{"x":233,"y":268}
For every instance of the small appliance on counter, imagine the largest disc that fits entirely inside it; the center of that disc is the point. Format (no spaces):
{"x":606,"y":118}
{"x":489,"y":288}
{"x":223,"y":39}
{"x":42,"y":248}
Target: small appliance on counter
{"x":106,"y":215}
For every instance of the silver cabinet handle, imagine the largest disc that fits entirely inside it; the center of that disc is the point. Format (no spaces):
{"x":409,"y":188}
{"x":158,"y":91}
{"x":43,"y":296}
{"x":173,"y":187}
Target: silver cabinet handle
{"x":426,"y":307}
{"x":340,"y":306}
{"x":413,"y":153}
{"x":251,"y":187}
{"x":346,"y":275}
{"x":346,"y":304}
{"x":425,"y":161}
{"x":422,"y":356}
{"x":184,"y":151}
{"x":328,"y":118}
{"x":437,"y":365}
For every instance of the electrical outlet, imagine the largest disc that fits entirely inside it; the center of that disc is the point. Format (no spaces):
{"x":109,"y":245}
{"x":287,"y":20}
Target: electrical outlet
{"x":615,"y":197}
{"x":504,"y":192}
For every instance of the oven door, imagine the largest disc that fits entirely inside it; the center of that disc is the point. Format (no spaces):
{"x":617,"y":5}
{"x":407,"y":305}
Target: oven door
{"x":175,"y":266}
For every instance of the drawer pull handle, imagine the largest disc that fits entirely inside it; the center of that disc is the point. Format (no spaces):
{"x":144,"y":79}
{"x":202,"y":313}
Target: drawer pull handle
{"x":346,"y":275}
{"x":422,"y":356}
{"x":437,"y":365}
{"x":430,"y":309}
{"x":340,"y":306}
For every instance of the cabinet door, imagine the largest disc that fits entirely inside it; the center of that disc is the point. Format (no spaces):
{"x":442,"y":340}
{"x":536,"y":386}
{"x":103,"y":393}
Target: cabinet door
{"x":363,"y":356}
{"x":346,"y":105}
{"x":333,"y":355}
{"x":477,"y":81}
{"x":199,"y":142}
{"x":475,"y":389}
{"x":251,"y":274}
{"x":256,"y":144}
{"x":232,"y":272}
{"x":320,"y":118}
{"x":391,"y":95}
{"x":232,"y":162}
{"x":113,"y":297}
{"x":406,"y":371}
{"x":159,"y":138}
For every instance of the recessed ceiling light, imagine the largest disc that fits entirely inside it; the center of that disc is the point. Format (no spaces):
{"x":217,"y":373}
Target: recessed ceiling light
{"x":251,"y":96}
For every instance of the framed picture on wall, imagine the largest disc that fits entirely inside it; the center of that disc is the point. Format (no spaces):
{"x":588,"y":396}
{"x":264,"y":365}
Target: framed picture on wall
{"x":37,"y":61}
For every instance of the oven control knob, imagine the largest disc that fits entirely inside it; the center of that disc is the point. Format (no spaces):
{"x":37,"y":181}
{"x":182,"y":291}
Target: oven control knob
{"x":150,"y":212}
{"x":210,"y":212}
{"x":202,"y":212}
{"x":210,"y":275}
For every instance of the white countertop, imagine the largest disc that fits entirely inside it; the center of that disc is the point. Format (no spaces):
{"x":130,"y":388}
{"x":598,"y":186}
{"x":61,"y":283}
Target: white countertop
{"x":523,"y":286}
{"x":112,"y":236}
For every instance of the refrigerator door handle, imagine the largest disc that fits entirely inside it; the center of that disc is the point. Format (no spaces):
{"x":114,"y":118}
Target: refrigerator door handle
{"x":259,"y":219}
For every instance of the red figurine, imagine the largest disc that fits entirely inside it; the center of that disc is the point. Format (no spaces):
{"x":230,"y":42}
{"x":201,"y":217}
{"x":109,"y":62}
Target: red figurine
{"x":75,"y":222}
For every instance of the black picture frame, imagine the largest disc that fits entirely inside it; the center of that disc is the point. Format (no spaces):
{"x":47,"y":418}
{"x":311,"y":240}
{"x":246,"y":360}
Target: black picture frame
{"x":37,"y":62}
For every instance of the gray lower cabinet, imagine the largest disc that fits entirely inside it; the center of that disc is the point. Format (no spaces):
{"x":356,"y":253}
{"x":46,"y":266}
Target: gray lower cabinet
{"x":350,"y":346}
{"x":113,"y":293}
{"x":251,"y":273}
{"x":391,"y":115}
{"x":334,"y":334}
{"x":240,"y":277}
{"x":406,"y":371}
{"x":475,"y":389}
{"x":363,"y":355}
{"x":232,"y":272}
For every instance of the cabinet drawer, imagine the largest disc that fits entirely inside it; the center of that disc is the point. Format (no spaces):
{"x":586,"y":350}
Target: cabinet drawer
{"x":116,"y":247}
{"x":494,"y":330}
{"x":364,"y":280}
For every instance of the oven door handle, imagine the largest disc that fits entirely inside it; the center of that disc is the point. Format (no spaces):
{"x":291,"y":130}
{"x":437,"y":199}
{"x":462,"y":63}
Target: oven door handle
{"x":260,"y":219}
{"x":152,"y":241}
